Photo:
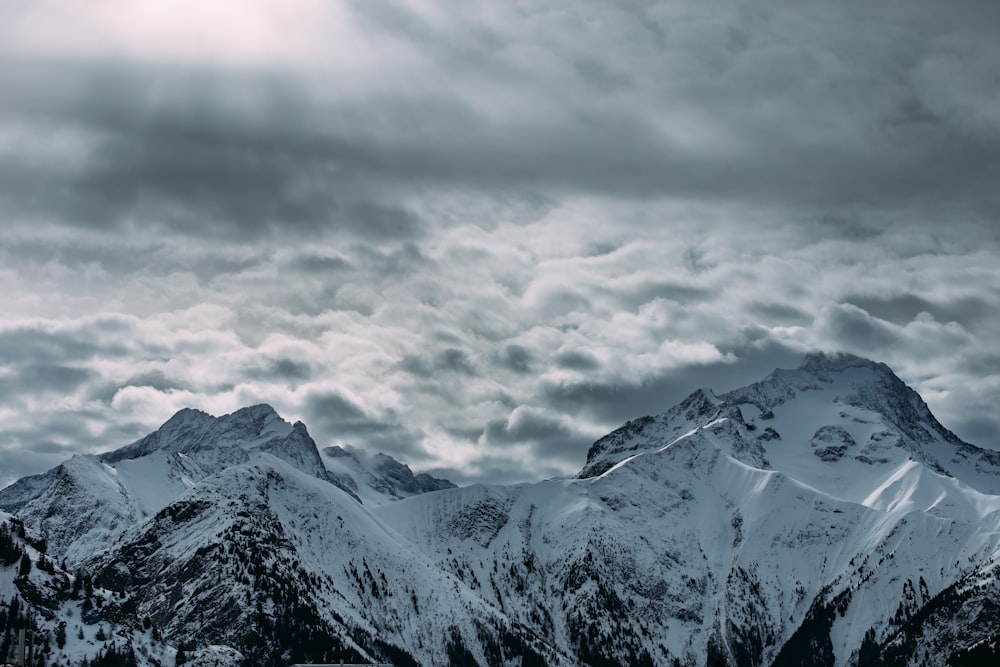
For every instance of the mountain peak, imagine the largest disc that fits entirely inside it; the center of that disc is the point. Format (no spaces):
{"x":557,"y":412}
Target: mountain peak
{"x":187,"y":416}
{"x":794,"y":411}
{"x":258,"y":414}
{"x":217,"y":441}
{"x":258,"y":411}
{"x":819,"y":362}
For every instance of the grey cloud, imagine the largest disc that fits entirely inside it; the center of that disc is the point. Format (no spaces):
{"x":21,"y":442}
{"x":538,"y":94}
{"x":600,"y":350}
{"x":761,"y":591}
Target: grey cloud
{"x":30,"y":343}
{"x":454,"y":360}
{"x":614,"y":401}
{"x":903,"y":308}
{"x":333,"y":418}
{"x":816,"y":145}
{"x":174,"y":147}
{"x":22,"y":459}
{"x":129,"y":255}
{"x":517,"y":358}
{"x":848,"y":327}
{"x":549,"y":440}
{"x":290,"y":369}
{"x":982,"y":363}
{"x":192,"y":162}
{"x":978,"y":429}
{"x":61,"y":427}
{"x":153,"y":378}
{"x":448,"y":360}
{"x":898,"y":309}
{"x":851,"y":327}
{"x":499,"y":470}
{"x":61,"y":436}
{"x":576,"y":360}
{"x":779,"y":313}
{"x":318,"y":263}
{"x":562,"y":299}
{"x":77,"y":255}
{"x":666,"y":290}
{"x":548,"y":436}
{"x":461,"y":431}
{"x":64,"y":345}
{"x":281,"y":369}
{"x":49,"y":447}
{"x":104,"y":390}
{"x":37,"y":378}
{"x":768,"y":179}
{"x":34,"y":446}
{"x":229,"y":190}
{"x":394,"y":260}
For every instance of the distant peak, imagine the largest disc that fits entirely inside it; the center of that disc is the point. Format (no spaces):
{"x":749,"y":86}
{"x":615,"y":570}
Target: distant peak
{"x":187,"y":415}
{"x":337,"y":451}
{"x":258,"y":411}
{"x":703,"y":394}
{"x":838,"y":361}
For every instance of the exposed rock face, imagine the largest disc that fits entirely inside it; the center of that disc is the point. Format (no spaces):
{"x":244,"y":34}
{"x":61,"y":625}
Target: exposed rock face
{"x":830,"y":443}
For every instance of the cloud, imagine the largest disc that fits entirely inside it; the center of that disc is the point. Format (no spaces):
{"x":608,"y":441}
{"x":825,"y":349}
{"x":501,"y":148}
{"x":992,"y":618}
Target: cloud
{"x":576,"y":360}
{"x":905,"y":307}
{"x":195,"y":162}
{"x":343,"y":421}
{"x":517,"y":358}
{"x":699,"y":103}
{"x":37,"y":378}
{"x":850,"y":326}
{"x":448,"y":360}
{"x":37,"y":340}
{"x":541,"y":436}
{"x":449,"y":231}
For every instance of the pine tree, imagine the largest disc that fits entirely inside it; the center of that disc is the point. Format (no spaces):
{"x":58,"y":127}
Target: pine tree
{"x":25,"y":567}
{"x":10,"y":552}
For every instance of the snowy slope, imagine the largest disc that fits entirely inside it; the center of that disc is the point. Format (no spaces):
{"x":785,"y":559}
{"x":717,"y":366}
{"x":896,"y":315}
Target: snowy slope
{"x":728,"y":523}
{"x":696,"y":547}
{"x":71,"y":622}
{"x":304,"y":551}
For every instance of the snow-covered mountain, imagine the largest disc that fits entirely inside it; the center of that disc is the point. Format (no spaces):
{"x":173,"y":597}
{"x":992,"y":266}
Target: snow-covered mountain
{"x":376,"y":479}
{"x":821,"y":516}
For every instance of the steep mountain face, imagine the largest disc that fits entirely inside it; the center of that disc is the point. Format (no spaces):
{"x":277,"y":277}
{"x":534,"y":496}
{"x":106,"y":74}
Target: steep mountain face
{"x":262,"y":554}
{"x":821,"y":516}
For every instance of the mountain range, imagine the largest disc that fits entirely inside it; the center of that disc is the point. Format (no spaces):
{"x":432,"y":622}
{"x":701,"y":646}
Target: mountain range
{"x":820,"y":516}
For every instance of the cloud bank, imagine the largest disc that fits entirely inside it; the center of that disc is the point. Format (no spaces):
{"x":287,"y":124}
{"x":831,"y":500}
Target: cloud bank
{"x":478,"y":236}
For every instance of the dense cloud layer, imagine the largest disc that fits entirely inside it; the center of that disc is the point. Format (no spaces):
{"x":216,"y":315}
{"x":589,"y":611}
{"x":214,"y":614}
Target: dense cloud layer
{"x":477,"y":236}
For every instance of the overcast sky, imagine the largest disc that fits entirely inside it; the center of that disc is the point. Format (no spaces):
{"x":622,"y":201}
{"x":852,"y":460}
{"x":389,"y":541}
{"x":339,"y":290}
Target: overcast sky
{"x":478,"y":235}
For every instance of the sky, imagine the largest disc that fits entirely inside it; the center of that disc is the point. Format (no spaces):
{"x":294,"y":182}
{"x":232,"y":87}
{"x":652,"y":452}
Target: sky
{"x":477,"y":236}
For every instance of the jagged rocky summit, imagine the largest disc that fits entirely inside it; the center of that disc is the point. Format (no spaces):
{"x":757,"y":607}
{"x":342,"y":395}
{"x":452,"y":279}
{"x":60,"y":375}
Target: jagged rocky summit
{"x":821,"y":516}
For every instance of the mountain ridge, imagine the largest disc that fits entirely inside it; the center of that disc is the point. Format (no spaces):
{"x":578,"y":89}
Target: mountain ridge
{"x":820,"y":516}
